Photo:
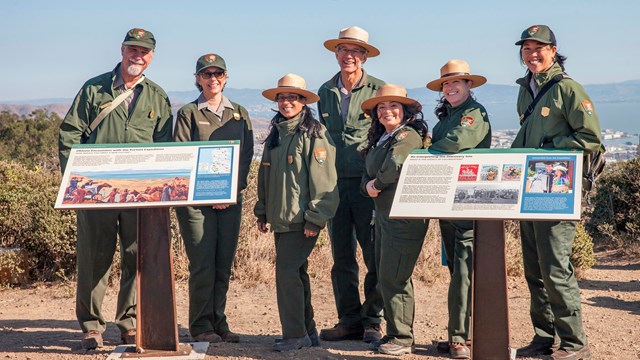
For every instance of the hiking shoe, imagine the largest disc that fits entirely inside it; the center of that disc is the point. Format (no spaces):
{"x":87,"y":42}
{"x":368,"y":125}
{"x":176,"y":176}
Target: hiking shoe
{"x":230,"y":337}
{"x":92,"y":340}
{"x":534,"y":349}
{"x":128,"y":337}
{"x":313,"y":336}
{"x":374,"y":345}
{"x":371,"y":333}
{"x":342,"y":332}
{"x":442,"y":346}
{"x":292,"y":344}
{"x":209,"y":336}
{"x":564,"y":354}
{"x":459,"y":351}
{"x":390,"y":348}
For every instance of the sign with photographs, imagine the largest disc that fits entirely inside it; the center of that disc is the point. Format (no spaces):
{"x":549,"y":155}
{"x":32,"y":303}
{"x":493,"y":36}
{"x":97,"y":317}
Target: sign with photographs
{"x":102,"y":176}
{"x":524,"y":184}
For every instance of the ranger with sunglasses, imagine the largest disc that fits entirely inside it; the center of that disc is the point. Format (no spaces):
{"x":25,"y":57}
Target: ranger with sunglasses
{"x":339,"y":110}
{"x":141,"y":113}
{"x":210,"y":233}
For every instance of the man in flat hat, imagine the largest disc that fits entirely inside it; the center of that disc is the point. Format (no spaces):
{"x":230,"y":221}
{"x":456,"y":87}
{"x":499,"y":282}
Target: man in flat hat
{"x":339,"y":110}
{"x":117,"y":107}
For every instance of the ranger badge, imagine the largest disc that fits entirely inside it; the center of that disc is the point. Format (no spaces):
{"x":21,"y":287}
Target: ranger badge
{"x":588,"y":107}
{"x":466,"y":121}
{"x":320,"y":154}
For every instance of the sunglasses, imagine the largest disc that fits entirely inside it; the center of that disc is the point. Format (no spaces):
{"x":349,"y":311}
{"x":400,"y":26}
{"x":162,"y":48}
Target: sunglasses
{"x":209,"y":74}
{"x":289,"y":98}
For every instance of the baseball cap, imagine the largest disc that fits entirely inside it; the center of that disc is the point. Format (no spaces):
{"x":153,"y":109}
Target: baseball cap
{"x":210,"y":60}
{"x":540,"y":33}
{"x":140,"y":37}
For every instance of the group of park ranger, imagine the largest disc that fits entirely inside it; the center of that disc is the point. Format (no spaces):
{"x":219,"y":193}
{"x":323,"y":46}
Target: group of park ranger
{"x":339,"y":170}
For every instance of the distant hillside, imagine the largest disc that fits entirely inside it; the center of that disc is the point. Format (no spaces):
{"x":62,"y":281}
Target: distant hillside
{"x":259,"y":107}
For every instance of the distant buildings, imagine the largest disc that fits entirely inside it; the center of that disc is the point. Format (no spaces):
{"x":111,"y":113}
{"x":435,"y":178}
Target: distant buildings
{"x":620,"y":145}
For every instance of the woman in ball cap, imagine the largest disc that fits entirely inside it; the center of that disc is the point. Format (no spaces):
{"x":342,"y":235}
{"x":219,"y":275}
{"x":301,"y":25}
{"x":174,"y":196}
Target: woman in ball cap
{"x":463,"y":124}
{"x":297,"y":195}
{"x":396,"y":129}
{"x":564,"y":117}
{"x":210,"y":233}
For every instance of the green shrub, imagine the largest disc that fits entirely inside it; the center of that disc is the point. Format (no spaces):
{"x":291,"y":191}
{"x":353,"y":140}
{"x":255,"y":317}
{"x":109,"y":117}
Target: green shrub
{"x":28,"y":220}
{"x":582,"y":256}
{"x":614,"y":219}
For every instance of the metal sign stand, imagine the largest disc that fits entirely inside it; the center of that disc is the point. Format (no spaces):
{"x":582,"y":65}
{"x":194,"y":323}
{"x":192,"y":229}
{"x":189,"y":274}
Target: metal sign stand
{"x":156,"y":325}
{"x":489,"y":306}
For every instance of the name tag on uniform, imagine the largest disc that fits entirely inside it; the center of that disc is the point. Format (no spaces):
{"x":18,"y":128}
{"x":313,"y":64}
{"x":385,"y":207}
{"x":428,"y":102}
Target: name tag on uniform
{"x":203,"y":122}
{"x":325,"y":114}
{"x":266,"y":164}
{"x":105,"y":105}
{"x":545,"y":111}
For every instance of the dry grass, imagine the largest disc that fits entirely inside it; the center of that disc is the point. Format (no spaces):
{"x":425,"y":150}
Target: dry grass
{"x":255,"y":258}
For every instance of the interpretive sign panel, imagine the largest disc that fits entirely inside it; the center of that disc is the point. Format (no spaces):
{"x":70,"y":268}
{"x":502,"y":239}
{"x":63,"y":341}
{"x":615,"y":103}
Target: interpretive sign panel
{"x":525,"y":184}
{"x":150,"y":175}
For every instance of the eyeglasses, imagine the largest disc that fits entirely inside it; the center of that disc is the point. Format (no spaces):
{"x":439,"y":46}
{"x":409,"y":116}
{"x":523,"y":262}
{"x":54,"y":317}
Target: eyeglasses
{"x":289,"y":98}
{"x":208,"y":74}
{"x":357,"y":51}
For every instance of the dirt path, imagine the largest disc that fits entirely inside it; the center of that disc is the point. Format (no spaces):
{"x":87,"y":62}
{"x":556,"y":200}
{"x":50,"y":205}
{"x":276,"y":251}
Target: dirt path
{"x":38,"y":323}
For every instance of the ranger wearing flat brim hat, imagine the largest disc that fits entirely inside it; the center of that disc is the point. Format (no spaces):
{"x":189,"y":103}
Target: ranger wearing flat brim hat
{"x":456,"y":69}
{"x":291,"y":83}
{"x":140,"y":37}
{"x":389,"y":92}
{"x":353,"y":35}
{"x":540,"y":33}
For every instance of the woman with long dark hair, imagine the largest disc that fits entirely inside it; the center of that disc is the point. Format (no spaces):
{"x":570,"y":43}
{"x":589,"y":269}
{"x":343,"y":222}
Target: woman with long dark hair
{"x":463,"y":124}
{"x":297,"y":195}
{"x":396,"y":129}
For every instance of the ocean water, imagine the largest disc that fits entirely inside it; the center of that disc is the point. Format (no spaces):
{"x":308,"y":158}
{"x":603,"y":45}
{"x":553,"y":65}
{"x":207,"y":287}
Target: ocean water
{"x":617,"y":116}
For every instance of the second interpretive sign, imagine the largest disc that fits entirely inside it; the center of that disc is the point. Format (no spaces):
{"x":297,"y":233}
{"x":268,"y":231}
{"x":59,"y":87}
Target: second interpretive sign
{"x":525,"y":184}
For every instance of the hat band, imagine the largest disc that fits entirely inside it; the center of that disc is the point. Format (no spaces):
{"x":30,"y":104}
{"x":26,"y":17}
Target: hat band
{"x":454,"y":74}
{"x":353,"y":39}
{"x":291,"y":86}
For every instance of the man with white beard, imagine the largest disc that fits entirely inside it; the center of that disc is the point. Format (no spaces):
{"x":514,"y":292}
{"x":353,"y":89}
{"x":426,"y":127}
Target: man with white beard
{"x":118,"y":107}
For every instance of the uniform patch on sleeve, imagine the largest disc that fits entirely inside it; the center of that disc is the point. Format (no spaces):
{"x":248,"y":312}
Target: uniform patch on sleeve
{"x":588,"y":107}
{"x":401,"y":135}
{"x":467,"y":121}
{"x":151,"y":114}
{"x":320,"y":154}
{"x":236,"y":116}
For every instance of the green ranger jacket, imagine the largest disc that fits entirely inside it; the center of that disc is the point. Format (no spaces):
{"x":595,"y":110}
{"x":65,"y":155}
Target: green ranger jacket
{"x":349,"y":137}
{"x":466,"y":126}
{"x":297,"y":181}
{"x":203,"y":125}
{"x":384,"y":162}
{"x":563,"y":118}
{"x":151,"y":119}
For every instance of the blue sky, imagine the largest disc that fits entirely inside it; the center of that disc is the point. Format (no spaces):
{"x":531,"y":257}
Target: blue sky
{"x":49,"y":48}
